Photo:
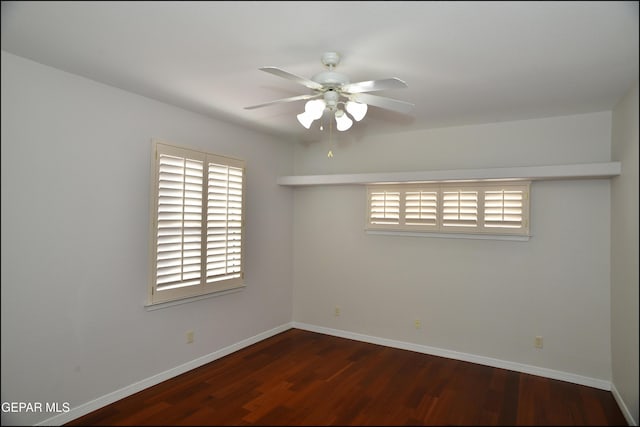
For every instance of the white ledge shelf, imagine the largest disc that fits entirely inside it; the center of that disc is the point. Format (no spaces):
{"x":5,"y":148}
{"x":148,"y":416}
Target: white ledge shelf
{"x":534,"y":173}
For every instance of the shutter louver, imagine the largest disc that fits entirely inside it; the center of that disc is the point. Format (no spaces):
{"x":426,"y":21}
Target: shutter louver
{"x":384,"y":207}
{"x":224,"y":223}
{"x":179,"y":222}
{"x":421,"y":208}
{"x":460,"y":209}
{"x":503,"y":209}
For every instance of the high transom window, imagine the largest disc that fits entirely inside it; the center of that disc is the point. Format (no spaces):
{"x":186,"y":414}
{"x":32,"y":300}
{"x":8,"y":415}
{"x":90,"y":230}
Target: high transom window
{"x":469,"y":207}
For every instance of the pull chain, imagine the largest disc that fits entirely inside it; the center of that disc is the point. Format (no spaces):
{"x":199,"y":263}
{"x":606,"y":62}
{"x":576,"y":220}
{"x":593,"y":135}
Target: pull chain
{"x":330,"y":153}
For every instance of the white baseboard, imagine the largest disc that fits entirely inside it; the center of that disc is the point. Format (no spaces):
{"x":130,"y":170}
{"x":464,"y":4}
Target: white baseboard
{"x":481,"y":360}
{"x":158,"y":378}
{"x":623,"y":406}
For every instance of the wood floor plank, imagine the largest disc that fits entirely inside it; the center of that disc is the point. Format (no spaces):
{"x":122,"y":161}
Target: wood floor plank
{"x":305,"y":378}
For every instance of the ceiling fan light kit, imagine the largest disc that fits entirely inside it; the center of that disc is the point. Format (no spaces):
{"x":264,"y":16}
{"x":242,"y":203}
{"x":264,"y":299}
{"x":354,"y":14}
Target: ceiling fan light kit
{"x":356,"y":109}
{"x":343,"y":122}
{"x":335,"y":94}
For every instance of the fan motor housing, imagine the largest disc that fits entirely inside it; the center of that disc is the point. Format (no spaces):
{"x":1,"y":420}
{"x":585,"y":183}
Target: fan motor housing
{"x":330,"y":79}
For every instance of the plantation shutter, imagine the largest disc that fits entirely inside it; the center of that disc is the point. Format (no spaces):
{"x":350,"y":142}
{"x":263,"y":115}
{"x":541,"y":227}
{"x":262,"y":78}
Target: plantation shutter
{"x":421,"y":208}
{"x":503,"y":208}
{"x":467,"y":208}
{"x":179,"y":222}
{"x":224,"y":222}
{"x":198,"y":223}
{"x":384,"y":207}
{"x":460,"y":208}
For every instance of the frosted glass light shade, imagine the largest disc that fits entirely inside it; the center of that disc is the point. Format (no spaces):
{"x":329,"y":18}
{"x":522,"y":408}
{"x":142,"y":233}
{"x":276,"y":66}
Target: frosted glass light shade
{"x":315,"y":108}
{"x":305,"y":119}
{"x":357,"y":110}
{"x":312,"y":111}
{"x":343,"y":122}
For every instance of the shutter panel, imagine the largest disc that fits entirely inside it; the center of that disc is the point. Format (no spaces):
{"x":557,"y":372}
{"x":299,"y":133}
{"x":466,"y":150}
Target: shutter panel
{"x":197,"y":227}
{"x":421,"y":208}
{"x":179,"y":222}
{"x":460,"y":208}
{"x":224,"y":222}
{"x":463,"y":208}
{"x":503,"y":209}
{"x":384,"y":207}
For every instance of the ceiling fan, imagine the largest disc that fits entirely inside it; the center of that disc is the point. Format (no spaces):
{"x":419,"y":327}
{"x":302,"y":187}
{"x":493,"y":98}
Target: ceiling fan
{"x":333,"y":90}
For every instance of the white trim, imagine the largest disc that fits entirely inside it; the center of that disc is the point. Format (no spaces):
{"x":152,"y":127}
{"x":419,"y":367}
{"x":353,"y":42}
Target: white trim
{"x":466,"y":357}
{"x":124,"y":392}
{"x":159,"y":305}
{"x":477,"y":236}
{"x":571,"y":171}
{"x":107,"y":399}
{"x":623,"y":408}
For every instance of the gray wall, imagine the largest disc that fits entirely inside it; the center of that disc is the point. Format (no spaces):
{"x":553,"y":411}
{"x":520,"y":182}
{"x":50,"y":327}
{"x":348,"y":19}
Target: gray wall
{"x":482,"y":298}
{"x":76,"y":161}
{"x":624,"y":253}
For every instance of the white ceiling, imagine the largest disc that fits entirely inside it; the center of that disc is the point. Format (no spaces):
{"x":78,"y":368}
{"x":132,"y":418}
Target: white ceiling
{"x":464,"y":62}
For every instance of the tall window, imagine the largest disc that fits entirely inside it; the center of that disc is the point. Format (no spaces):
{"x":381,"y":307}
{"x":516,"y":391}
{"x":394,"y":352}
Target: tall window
{"x":469,"y":207}
{"x":197,"y":223}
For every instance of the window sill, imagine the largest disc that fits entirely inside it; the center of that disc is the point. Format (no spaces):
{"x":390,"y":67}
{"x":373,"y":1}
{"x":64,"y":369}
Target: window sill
{"x":167,"y":304}
{"x":450,"y":235}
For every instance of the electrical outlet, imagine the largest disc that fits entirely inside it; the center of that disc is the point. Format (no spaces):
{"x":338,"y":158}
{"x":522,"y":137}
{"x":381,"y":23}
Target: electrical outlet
{"x":538,"y":342}
{"x":417,"y":323}
{"x":336,"y":312}
{"x":189,"y":337}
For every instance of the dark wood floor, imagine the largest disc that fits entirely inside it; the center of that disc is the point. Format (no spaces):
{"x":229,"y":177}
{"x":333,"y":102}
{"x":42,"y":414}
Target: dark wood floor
{"x":305,"y":378}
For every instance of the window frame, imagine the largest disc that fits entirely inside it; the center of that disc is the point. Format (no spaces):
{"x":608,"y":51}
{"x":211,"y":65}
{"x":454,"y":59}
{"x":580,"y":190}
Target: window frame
{"x":438,"y":225}
{"x":180,"y":292}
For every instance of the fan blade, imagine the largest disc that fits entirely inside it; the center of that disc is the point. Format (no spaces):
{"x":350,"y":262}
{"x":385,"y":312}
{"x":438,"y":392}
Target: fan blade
{"x":287,"y":75}
{"x":373,"y":85}
{"x":382,"y":102}
{"x":280,"y":101}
